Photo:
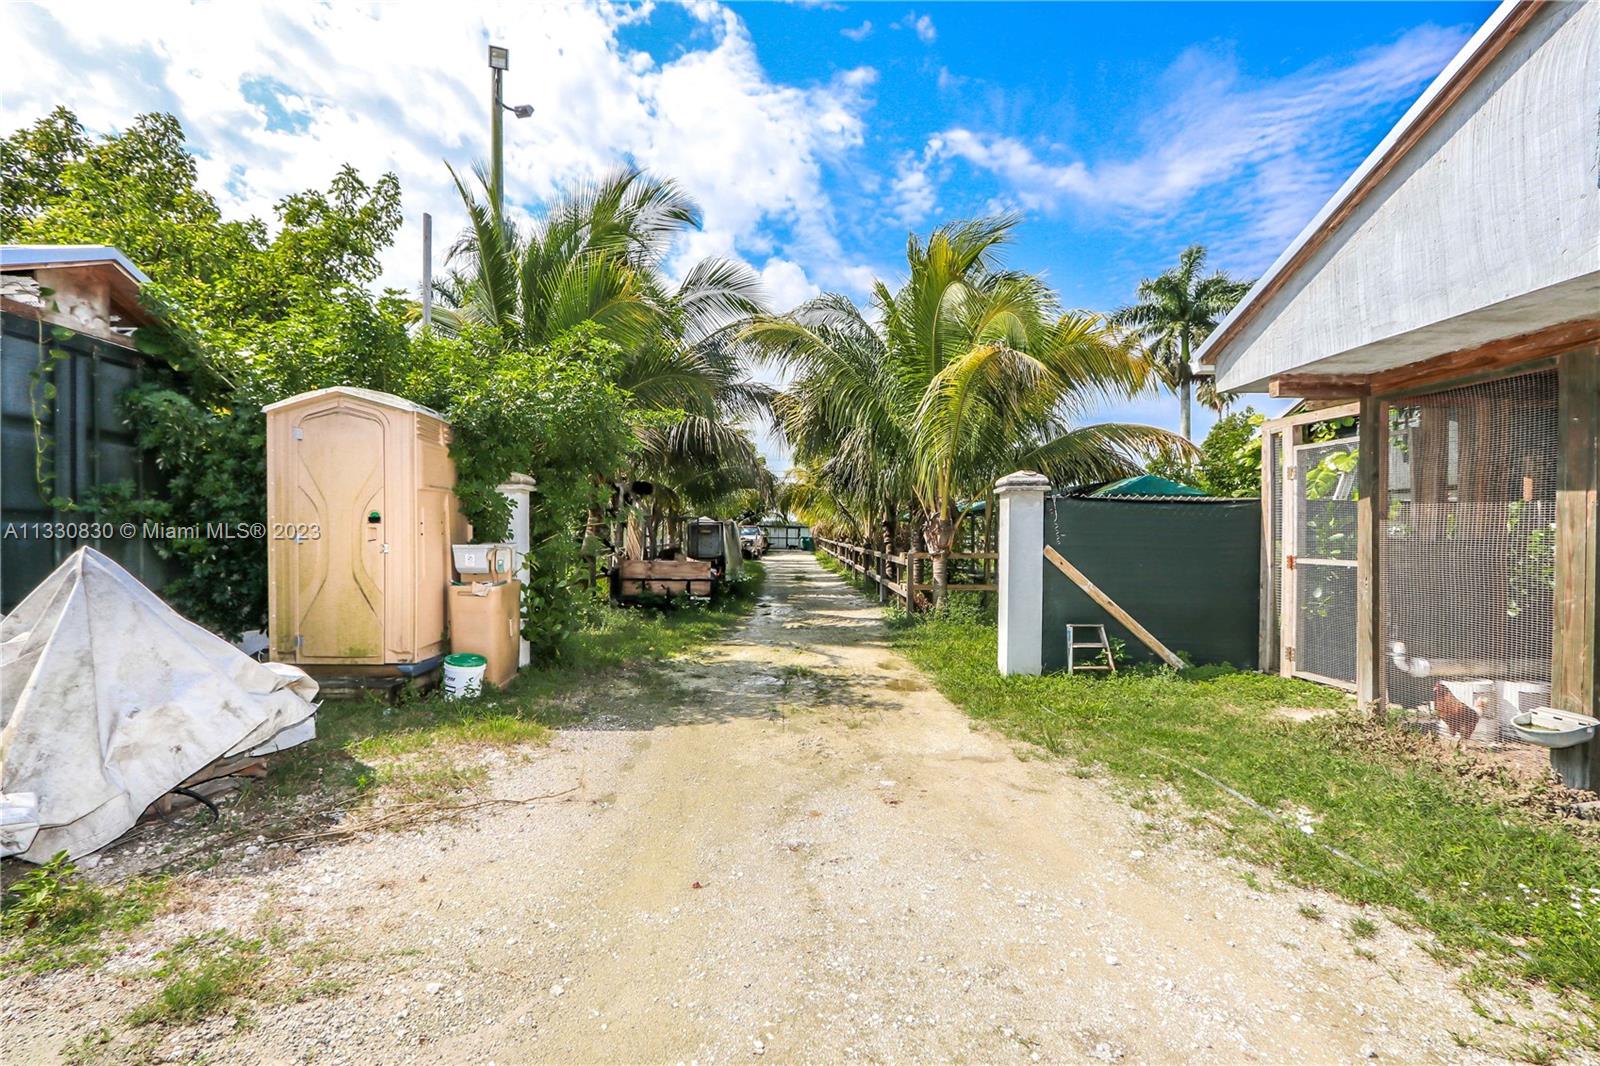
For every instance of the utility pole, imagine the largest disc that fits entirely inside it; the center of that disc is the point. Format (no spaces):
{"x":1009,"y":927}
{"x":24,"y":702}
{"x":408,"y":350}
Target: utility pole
{"x":427,"y":270}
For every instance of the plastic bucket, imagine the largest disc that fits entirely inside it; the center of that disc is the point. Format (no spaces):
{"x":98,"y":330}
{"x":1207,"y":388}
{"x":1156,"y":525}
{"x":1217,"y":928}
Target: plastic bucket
{"x":463,"y":675}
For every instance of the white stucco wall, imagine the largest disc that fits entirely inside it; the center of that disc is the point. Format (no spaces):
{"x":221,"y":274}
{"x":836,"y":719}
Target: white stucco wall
{"x":1489,"y":226}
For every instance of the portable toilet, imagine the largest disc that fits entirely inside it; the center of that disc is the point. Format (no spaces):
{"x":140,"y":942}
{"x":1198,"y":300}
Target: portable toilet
{"x":361,"y":514}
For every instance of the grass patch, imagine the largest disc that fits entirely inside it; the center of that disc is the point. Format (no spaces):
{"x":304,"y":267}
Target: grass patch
{"x":202,"y":975}
{"x":423,"y":748}
{"x":1363,"y":928}
{"x":1489,"y":878}
{"x":54,"y":919}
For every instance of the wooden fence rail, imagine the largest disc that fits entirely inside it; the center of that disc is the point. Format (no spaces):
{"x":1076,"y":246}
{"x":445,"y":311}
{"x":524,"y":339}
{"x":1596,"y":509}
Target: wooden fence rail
{"x":900,"y":574}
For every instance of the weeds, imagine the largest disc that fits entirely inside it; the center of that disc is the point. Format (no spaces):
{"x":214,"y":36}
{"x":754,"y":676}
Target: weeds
{"x":200,"y":976}
{"x":57,"y":919}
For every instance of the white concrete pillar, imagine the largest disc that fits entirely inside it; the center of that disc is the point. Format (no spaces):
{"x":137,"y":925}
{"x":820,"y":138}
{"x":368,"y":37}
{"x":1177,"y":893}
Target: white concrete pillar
{"x":517,"y":491}
{"x":1021,"y":571}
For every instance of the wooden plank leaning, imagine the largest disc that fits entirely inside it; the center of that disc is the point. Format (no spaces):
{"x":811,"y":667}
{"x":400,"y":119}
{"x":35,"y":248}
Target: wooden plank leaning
{"x":1114,"y":609}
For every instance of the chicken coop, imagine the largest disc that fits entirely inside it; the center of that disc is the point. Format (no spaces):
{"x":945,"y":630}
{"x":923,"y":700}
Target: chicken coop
{"x":1442,"y":557}
{"x":1466,"y":481}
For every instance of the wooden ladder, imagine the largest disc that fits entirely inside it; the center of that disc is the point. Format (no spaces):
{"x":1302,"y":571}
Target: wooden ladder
{"x":1100,"y":644}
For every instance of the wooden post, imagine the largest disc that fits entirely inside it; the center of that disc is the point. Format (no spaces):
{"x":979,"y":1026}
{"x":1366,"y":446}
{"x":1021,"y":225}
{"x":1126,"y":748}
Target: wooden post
{"x":1370,"y":472}
{"x":1575,"y":660}
{"x":1288,"y":582}
{"x":1267,"y":627}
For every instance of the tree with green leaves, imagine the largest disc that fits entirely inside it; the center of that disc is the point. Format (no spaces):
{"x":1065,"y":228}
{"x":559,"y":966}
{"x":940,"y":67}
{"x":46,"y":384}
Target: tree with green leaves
{"x":596,"y":254}
{"x":1229,"y":460}
{"x":968,"y":372}
{"x":1177,"y":310}
{"x":248,"y":316}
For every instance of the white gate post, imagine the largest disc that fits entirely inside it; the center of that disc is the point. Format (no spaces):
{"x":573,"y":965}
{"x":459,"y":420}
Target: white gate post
{"x":517,"y":490}
{"x":1021,"y":571}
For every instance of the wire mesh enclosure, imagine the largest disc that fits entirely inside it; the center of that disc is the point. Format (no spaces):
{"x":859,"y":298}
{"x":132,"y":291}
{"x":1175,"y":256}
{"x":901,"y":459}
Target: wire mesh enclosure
{"x":1323,"y":564}
{"x":1468,"y":553}
{"x":1311,"y":492}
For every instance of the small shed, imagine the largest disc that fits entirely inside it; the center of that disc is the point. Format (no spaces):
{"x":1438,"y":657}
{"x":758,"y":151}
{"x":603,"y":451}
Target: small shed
{"x":361,"y":513}
{"x":784,"y":534}
{"x":68,"y":315}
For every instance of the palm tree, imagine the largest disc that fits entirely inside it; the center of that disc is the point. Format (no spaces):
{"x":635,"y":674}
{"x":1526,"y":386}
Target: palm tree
{"x":1176,"y":311}
{"x":840,"y":414}
{"x":595,"y":256}
{"x":1205,"y":391}
{"x":969,"y":371}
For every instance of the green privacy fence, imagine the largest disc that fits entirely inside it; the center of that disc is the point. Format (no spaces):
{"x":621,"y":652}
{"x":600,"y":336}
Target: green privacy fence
{"x":1187,"y":568}
{"x":86,"y":443}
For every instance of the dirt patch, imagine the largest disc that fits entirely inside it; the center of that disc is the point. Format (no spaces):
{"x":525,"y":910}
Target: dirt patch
{"x":1303,"y":714}
{"x":876,"y":879}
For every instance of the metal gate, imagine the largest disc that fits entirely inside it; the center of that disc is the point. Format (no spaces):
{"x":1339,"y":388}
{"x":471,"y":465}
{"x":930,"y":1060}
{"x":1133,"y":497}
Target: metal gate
{"x":1317,"y":579}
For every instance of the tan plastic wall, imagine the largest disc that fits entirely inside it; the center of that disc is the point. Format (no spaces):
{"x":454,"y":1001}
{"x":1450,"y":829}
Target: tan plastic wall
{"x":332,"y":459}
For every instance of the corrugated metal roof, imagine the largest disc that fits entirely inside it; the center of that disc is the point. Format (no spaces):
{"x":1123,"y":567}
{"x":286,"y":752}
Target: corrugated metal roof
{"x":1146,"y":485}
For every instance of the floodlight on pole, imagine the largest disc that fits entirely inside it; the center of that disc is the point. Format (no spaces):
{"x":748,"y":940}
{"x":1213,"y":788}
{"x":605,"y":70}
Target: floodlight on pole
{"x":499,"y":63}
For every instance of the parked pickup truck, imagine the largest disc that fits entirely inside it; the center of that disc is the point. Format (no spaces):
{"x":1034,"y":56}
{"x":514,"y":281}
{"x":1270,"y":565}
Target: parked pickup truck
{"x":752,"y":542}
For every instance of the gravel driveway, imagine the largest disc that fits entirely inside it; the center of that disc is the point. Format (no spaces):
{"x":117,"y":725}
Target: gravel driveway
{"x":790,"y":847}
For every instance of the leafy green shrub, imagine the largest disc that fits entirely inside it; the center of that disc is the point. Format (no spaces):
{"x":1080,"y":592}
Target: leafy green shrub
{"x":555,"y":414}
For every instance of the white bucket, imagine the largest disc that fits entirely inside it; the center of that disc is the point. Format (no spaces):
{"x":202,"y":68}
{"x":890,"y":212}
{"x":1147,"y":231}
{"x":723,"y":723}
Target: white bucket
{"x":463,"y":676}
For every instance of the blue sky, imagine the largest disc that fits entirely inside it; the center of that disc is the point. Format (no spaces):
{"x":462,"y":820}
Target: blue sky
{"x":815,"y":134}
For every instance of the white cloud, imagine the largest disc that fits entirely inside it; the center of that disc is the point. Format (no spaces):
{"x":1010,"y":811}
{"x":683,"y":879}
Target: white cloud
{"x":274,"y":98}
{"x":1275,"y":146}
{"x":949,"y":81}
{"x":858,"y":33}
{"x":786,"y":284}
{"x":913,"y":194}
{"x":921,"y":25}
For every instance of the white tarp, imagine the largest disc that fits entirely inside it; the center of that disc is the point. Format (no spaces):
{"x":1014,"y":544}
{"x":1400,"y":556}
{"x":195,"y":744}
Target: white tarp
{"x":109,"y":698}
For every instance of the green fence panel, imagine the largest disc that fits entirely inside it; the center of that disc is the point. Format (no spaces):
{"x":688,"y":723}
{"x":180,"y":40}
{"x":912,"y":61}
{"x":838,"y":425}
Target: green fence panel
{"x":88,"y":444}
{"x":1189,"y":571}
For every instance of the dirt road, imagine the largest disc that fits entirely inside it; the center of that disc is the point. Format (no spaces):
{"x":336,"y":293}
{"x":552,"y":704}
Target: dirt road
{"x":793,"y":848}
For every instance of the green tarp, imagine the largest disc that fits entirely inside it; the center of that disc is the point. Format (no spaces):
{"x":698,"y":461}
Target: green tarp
{"x":1146,"y":485}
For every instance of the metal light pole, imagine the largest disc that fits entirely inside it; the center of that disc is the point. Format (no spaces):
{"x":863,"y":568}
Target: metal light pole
{"x":499,"y":63}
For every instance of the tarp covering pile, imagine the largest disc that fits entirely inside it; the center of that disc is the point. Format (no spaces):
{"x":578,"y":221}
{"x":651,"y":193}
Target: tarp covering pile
{"x":109,"y":698}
